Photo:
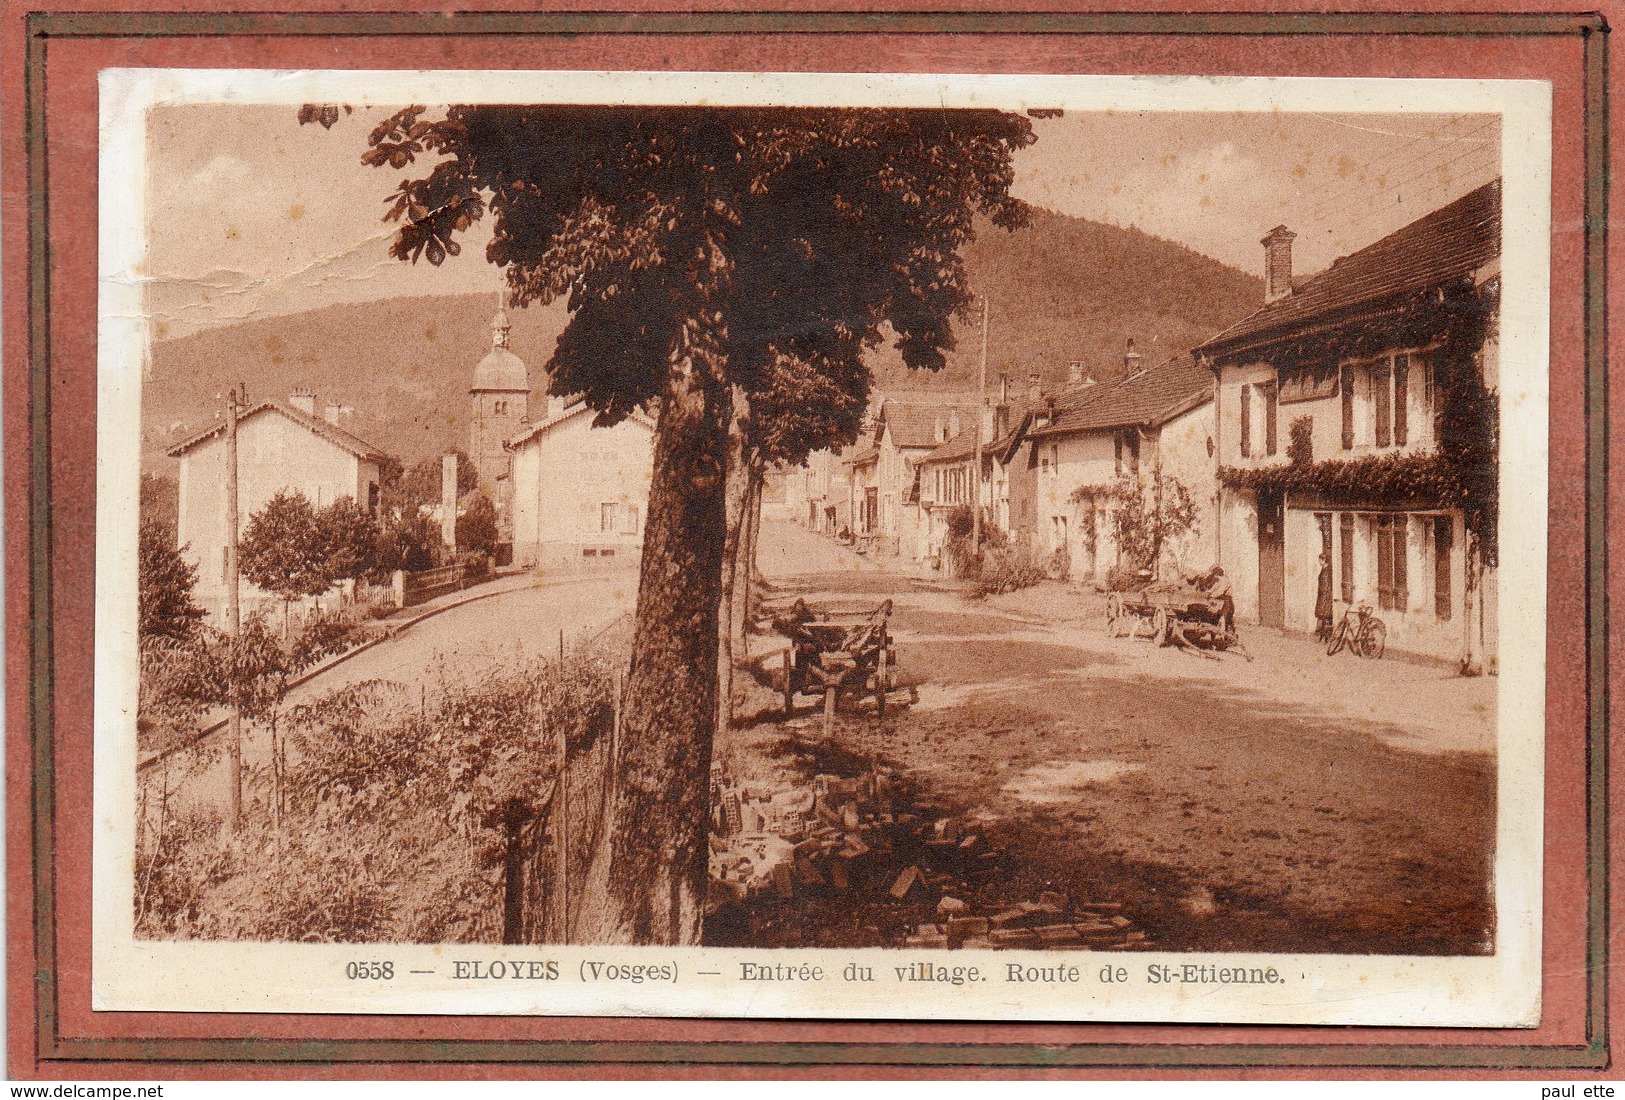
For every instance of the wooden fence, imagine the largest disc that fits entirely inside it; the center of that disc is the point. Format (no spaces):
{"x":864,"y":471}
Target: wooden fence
{"x":414,"y":588}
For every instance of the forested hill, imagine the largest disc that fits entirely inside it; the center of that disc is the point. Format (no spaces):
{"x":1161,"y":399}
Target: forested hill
{"x":1060,"y":289}
{"x":1064,"y":288}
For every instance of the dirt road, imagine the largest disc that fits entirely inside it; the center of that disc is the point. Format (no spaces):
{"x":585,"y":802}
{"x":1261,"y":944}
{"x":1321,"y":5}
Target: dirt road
{"x":1295,"y":803}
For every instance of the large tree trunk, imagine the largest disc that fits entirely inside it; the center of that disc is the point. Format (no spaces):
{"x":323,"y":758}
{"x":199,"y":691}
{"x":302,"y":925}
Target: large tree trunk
{"x":734,"y":595}
{"x":648,"y":876}
{"x":750,"y":528}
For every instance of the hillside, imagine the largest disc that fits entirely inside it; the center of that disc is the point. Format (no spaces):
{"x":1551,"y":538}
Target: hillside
{"x":403,"y":364}
{"x":1061,"y":289}
{"x":1065,"y":288}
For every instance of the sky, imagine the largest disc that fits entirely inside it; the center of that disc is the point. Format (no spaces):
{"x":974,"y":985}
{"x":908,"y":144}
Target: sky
{"x":253,"y":215}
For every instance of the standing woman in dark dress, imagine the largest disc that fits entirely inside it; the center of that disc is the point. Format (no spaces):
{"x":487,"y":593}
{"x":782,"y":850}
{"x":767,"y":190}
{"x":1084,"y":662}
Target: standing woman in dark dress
{"x":1323,"y":599}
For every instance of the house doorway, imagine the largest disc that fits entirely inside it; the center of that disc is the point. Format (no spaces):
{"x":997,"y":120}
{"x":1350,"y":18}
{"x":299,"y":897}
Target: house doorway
{"x":1271,"y":558}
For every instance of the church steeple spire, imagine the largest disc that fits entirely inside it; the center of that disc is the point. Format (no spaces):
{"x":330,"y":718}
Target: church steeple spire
{"x":499,"y":323}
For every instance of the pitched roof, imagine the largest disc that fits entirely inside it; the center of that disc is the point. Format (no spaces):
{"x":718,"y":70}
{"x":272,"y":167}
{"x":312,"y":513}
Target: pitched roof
{"x":1453,"y":241}
{"x":916,"y":425}
{"x":334,"y":434}
{"x":960,"y":446}
{"x":862,"y":456}
{"x":1151,"y":397}
{"x":575,"y":407}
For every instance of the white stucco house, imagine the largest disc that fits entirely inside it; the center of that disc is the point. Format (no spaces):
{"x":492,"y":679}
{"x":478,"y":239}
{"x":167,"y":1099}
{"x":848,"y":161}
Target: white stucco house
{"x":580,"y":492}
{"x":1154,"y":422}
{"x":280,"y":447}
{"x":1334,"y":400}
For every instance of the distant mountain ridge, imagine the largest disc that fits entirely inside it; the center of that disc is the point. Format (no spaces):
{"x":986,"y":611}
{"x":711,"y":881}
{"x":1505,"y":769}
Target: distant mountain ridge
{"x":1060,"y":289}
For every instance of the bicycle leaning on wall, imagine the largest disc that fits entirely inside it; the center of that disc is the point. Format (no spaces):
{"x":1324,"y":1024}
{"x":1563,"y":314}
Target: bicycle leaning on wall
{"x":1364,"y":633}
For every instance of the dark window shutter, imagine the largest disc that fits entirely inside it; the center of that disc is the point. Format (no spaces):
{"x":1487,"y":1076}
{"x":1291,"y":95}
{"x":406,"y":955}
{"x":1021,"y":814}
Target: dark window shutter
{"x":1380,"y":402}
{"x":1444,"y":540}
{"x":1271,"y":411}
{"x":1347,"y":386}
{"x":1345,"y":532}
{"x":1246,"y":420}
{"x":1402,"y":370}
{"x":1402,"y":589}
{"x":1385,"y":563}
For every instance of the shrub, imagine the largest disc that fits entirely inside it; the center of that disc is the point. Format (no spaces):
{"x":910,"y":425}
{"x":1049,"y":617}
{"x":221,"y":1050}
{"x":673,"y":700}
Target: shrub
{"x":1007,"y":572}
{"x":392,"y":825}
{"x":1119,"y":579}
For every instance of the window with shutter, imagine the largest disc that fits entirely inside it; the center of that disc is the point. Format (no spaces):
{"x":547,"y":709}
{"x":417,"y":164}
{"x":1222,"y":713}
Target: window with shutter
{"x":1391,"y":589}
{"x":1444,"y":539}
{"x":1345,"y":532}
{"x":1246,"y":420}
{"x":1380,"y":405}
{"x":1402,"y":369}
{"x":1271,"y":408}
{"x":1385,"y":564}
{"x":1347,"y":387}
{"x":1402,"y":589}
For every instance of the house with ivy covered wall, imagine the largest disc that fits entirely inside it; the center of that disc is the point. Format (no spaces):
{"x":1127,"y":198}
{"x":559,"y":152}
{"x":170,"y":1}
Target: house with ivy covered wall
{"x":1357,"y":415}
{"x":1150,"y":430}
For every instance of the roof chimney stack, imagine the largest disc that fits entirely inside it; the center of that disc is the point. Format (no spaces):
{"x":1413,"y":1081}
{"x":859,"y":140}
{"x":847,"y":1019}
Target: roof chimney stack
{"x":1131,"y":360}
{"x":303,"y":400}
{"x":1074,"y":371}
{"x":1035,"y":386}
{"x":1278,"y":263}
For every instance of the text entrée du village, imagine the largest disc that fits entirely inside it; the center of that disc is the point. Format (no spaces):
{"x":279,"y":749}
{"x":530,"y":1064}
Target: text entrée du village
{"x":599,"y":971}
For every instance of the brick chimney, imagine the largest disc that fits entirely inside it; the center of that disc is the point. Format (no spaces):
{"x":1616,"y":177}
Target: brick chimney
{"x":1074,"y":371}
{"x":333,"y":413}
{"x":1278,"y":263}
{"x":1035,"y":386}
{"x":303,"y":400}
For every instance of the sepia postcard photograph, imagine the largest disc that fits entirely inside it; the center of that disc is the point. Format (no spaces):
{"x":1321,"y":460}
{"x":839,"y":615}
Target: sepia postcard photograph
{"x":855,"y":546}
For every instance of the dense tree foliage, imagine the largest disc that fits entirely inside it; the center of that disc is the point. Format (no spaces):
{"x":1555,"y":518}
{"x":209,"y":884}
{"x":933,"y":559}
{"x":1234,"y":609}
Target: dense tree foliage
{"x":477,"y":526}
{"x":166,"y":581}
{"x":349,"y":542}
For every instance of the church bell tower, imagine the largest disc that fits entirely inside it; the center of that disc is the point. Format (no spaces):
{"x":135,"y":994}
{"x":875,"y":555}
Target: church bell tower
{"x":499,"y":403}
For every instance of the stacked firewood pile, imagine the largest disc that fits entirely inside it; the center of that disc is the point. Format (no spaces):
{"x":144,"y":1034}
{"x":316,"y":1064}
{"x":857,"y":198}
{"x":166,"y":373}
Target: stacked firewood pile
{"x":843,"y":835}
{"x":866,"y":837}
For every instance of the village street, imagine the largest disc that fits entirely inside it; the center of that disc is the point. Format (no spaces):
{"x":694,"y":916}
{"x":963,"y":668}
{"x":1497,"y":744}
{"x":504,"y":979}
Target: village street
{"x":1295,"y":803}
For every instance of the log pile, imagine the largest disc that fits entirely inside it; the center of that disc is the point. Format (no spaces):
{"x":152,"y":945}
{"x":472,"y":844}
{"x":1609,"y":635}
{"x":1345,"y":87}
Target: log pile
{"x":844,"y":835}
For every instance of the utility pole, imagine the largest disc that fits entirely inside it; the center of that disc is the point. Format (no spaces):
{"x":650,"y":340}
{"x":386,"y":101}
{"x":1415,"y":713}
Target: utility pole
{"x":234,"y":618}
{"x":976,"y":468}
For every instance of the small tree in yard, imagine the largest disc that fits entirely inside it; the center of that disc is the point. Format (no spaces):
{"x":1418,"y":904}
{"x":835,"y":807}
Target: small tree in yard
{"x":477,"y":526}
{"x":284,"y":550}
{"x":349,"y":540}
{"x":166,"y":580}
{"x":696,"y":247}
{"x":1147,"y":514}
{"x":410,"y":542}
